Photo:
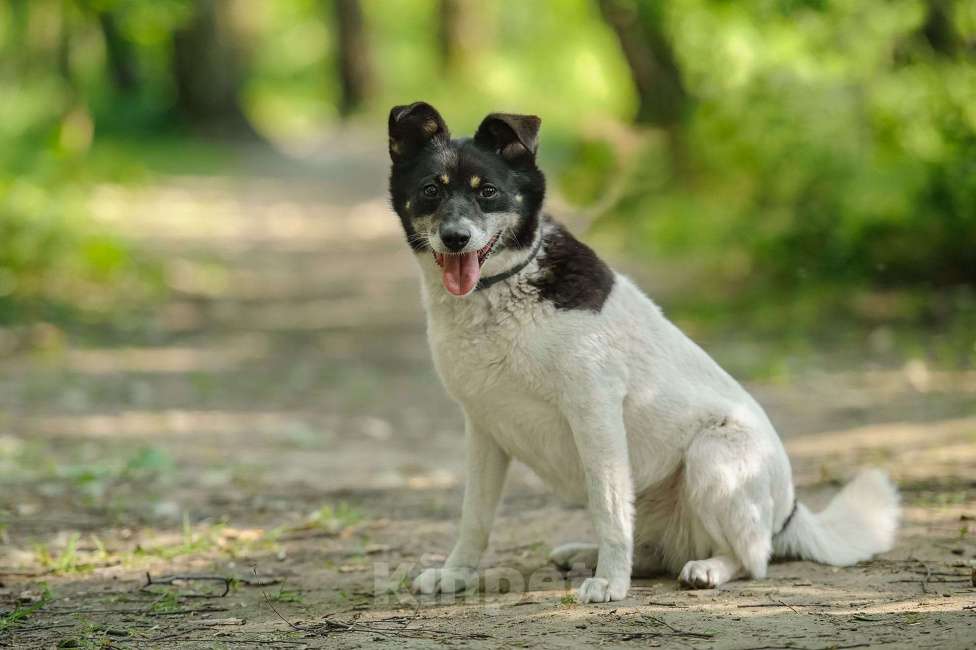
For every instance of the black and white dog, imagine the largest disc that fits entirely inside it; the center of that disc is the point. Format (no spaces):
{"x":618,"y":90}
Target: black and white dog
{"x":567,"y":366}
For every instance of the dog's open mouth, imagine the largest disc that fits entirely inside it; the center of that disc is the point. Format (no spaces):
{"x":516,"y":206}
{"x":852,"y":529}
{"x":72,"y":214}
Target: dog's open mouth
{"x":462,"y":271}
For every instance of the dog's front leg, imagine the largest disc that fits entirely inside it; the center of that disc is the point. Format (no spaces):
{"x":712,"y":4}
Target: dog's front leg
{"x":596,"y":419}
{"x":486,"y":467}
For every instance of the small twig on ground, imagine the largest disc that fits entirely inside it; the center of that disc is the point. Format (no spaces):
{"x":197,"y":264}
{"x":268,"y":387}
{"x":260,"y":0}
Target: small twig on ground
{"x":267,"y":599}
{"x":173,"y":635}
{"x":407,"y":621}
{"x":661,"y":604}
{"x":925,"y":580}
{"x":950,"y":574}
{"x":865,"y":619}
{"x":794,"y":647}
{"x":136,"y":611}
{"x":928,"y":582}
{"x":260,"y":581}
{"x":221,"y":640}
{"x":775,"y":603}
{"x":637,"y":634}
{"x":39,"y":628}
{"x":180,"y":612}
{"x":786,"y":605}
{"x":328,"y":626}
{"x":659,"y":622}
{"x":168,"y":580}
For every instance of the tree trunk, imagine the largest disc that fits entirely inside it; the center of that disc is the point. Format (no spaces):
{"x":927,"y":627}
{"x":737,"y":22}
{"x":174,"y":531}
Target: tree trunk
{"x":638,"y":25}
{"x":207,"y":73}
{"x":353,"y":57}
{"x":938,"y":29}
{"x":458,"y":33}
{"x":64,"y":49}
{"x":14,"y":43}
{"x":119,"y":53}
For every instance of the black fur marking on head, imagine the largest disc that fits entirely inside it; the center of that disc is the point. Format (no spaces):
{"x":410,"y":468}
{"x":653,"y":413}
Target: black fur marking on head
{"x":571,"y":276}
{"x":503,"y":155}
{"x":412,"y":128}
{"x":513,"y":137}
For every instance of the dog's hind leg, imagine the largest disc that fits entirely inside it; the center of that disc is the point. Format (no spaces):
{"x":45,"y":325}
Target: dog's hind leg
{"x":648,"y":562}
{"x":661,"y":528}
{"x":727,"y":489}
{"x":575,"y":556}
{"x":710,"y":573}
{"x":583,"y":557}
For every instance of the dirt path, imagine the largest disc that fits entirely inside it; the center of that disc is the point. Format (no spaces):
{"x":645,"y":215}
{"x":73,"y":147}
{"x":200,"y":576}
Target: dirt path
{"x":279,"y":425}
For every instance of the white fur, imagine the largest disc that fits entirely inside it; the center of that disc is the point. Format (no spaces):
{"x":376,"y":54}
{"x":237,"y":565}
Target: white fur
{"x":680,"y":468}
{"x":853,"y":527}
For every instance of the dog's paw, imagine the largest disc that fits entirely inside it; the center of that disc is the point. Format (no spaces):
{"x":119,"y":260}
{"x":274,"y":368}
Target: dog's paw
{"x":700,"y":574}
{"x":569,"y":556}
{"x":444,"y":581}
{"x":601,"y":590}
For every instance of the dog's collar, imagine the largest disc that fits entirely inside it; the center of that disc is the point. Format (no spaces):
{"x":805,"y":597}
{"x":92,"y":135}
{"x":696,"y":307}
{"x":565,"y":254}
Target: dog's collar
{"x":484,"y":283}
{"x":788,"y":519}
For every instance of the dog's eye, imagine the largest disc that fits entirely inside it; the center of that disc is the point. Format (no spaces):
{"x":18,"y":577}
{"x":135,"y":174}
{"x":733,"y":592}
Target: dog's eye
{"x":488,"y":191}
{"x":430,"y":191}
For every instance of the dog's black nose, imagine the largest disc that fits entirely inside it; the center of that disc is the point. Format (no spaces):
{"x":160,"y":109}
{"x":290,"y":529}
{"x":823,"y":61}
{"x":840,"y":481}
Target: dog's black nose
{"x":455,"y":237}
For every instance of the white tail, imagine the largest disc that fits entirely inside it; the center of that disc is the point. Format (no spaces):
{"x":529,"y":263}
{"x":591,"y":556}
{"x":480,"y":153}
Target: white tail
{"x":858,"y":523}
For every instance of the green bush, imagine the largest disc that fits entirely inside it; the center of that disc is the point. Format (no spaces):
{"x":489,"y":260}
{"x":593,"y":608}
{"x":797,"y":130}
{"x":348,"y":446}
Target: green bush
{"x":55,"y":264}
{"x":829,"y":146}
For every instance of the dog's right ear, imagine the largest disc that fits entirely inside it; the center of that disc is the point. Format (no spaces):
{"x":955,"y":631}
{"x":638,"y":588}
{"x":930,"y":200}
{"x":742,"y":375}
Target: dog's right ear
{"x":412,"y":127}
{"x":513,"y":137}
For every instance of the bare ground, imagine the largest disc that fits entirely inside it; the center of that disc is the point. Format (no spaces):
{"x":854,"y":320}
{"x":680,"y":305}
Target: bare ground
{"x":278,"y":427}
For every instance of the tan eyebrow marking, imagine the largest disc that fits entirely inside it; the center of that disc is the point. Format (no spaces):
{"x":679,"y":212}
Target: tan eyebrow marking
{"x":518,"y":198}
{"x":407,"y":206}
{"x":443,"y":178}
{"x":475,"y":182}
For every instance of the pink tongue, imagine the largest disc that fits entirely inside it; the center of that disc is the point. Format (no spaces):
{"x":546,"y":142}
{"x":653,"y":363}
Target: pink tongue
{"x":461,"y":273}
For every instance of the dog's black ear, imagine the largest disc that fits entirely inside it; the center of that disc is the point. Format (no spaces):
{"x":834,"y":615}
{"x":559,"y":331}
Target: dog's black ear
{"x":412,"y":127}
{"x":514,"y":137}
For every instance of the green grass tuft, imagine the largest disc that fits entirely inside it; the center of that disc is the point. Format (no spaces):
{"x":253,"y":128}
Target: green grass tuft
{"x":9,"y":620}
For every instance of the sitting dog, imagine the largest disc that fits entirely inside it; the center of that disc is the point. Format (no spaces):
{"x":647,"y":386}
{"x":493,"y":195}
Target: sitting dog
{"x":567,"y":366}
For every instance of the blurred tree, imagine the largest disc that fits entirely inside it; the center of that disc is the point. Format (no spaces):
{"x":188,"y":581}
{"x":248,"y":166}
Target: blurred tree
{"x":458,"y":33}
{"x":207,"y":71}
{"x":64,"y":45}
{"x":639,"y":26}
{"x":938,"y":28}
{"x":942,"y":33}
{"x":119,"y":53}
{"x":353,"y":56}
{"x":793,"y":141}
{"x":16,"y":47}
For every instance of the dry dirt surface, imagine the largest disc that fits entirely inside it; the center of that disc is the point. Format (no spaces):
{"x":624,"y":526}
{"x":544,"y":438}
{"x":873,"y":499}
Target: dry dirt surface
{"x":271,"y":459}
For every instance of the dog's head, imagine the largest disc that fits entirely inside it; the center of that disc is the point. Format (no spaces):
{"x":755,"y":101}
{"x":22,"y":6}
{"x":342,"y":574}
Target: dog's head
{"x":468,"y":198}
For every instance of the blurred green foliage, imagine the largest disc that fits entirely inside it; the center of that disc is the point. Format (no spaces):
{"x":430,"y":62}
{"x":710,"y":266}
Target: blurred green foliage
{"x":829,"y":142}
{"x":821,"y":144}
{"x":55,"y":263}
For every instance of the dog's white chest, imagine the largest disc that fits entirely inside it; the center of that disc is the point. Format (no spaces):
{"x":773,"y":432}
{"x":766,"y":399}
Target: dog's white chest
{"x":504,"y":380}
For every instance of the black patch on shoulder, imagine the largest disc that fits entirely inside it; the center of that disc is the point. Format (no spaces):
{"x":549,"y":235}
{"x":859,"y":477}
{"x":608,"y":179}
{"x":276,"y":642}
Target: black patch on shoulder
{"x":571,"y":275}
